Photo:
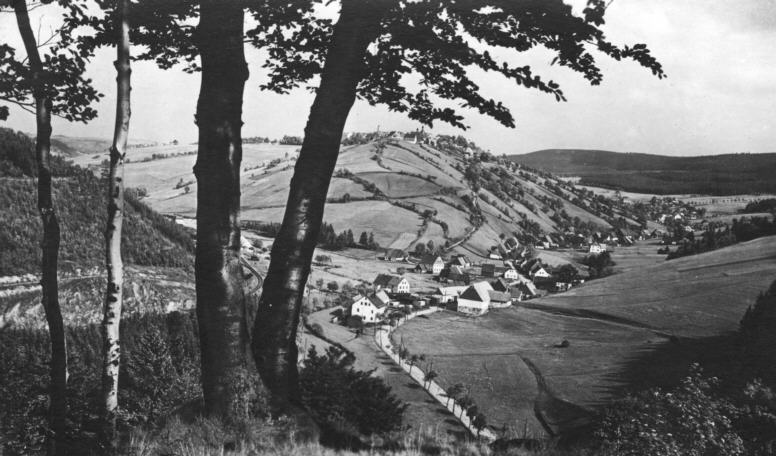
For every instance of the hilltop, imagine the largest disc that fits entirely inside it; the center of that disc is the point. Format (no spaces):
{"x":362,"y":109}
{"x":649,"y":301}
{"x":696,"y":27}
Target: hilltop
{"x":728,"y":174}
{"x":403,"y":191}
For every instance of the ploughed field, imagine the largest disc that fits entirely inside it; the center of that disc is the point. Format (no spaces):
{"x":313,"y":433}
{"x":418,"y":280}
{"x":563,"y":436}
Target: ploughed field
{"x":635,"y":329}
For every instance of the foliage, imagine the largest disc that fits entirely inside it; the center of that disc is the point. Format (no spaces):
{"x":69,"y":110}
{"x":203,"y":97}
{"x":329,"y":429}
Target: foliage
{"x":160,"y":370}
{"x":758,"y":337}
{"x":600,"y":265}
{"x":346,"y":400}
{"x":63,"y":66}
{"x":764,"y":205}
{"x":713,"y":238}
{"x":691,"y":420}
{"x":148,"y":238}
{"x":427,"y":38}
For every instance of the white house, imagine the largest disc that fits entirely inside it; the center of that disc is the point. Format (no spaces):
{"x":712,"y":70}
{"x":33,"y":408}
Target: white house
{"x":392,"y":283}
{"x":431,"y":263}
{"x":539,"y":272}
{"x":597,"y":248}
{"x":446,"y":295}
{"x":511,"y":274}
{"x":367,"y":308}
{"x":475,"y":299}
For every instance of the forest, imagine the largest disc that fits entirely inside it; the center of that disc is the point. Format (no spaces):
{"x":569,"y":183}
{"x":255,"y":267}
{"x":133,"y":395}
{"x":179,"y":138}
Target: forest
{"x":727,"y":174}
{"x":150,"y":240}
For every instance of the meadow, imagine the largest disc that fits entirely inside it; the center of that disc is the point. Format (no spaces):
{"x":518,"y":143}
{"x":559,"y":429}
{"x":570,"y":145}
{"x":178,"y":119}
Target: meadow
{"x":636,"y":329}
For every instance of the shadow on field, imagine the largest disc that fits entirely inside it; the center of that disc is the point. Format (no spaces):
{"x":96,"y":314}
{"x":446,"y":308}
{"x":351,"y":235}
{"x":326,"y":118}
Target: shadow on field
{"x":666,"y":364}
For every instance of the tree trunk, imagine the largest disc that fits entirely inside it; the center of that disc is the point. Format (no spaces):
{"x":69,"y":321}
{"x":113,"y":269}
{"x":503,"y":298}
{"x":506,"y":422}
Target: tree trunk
{"x":57,"y":444}
{"x":274,"y":336}
{"x":113,"y":262}
{"x":228,"y":374}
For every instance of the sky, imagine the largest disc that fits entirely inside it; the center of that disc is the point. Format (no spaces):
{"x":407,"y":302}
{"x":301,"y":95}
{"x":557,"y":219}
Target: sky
{"x":719,"y":97}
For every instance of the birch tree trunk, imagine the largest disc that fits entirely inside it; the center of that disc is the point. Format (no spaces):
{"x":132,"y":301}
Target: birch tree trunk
{"x":228,"y":374}
{"x":113,"y":262}
{"x":57,"y":444}
{"x":274,"y":335}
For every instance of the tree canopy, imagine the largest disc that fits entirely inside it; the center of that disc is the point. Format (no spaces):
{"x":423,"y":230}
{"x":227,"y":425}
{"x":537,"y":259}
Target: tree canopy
{"x":63,"y":80}
{"x":439,"y":41}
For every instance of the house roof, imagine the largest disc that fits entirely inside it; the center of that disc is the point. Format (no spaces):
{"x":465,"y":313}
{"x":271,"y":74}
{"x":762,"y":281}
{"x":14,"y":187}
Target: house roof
{"x":477,"y":292}
{"x":387,"y":280}
{"x":377,"y":301}
{"x":499,"y":296}
{"x":451,"y":291}
{"x":429,"y":259}
{"x":488,"y":269}
{"x":528,"y":287}
{"x":500,"y":284}
{"x":395,"y":253}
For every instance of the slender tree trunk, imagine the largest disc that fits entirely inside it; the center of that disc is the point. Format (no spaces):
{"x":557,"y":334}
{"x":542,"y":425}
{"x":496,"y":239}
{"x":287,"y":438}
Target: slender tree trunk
{"x":228,"y":373}
{"x":274,"y":336}
{"x":57,"y":444}
{"x":113,"y":262}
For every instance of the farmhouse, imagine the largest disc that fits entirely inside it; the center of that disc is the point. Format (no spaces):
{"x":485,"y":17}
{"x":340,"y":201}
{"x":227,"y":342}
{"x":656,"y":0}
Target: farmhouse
{"x":368,"y":308}
{"x":391,"y":283}
{"x":431,"y":263}
{"x":500,"y":299}
{"x":510,"y":273}
{"x":500,"y":285}
{"x":538,"y":272}
{"x":475,"y":299}
{"x":395,"y":255}
{"x":460,"y":260}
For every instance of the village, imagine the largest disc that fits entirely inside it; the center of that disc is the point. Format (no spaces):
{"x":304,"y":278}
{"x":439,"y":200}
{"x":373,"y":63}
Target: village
{"x":464,"y":287}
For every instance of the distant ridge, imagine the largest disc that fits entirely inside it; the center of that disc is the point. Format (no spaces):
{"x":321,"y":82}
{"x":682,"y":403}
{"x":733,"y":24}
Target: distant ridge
{"x":726,"y":174}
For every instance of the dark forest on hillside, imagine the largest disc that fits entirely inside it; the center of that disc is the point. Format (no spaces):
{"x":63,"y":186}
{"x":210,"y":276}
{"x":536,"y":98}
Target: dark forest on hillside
{"x":728,"y":174}
{"x":149,"y":239}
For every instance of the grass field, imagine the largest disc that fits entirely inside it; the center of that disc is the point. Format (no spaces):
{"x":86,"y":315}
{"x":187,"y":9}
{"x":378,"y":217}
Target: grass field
{"x":639,"y":328}
{"x":422,"y":411}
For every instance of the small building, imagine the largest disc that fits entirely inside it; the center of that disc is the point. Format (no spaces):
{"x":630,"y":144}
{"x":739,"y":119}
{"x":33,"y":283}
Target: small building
{"x":460,"y":260}
{"x":538,"y":272}
{"x":395,"y":255}
{"x":367,"y":308}
{"x":499,"y":299}
{"x":391,"y":283}
{"x":500,"y":284}
{"x":488,"y":270}
{"x":597,"y":248}
{"x":475,"y":299}
{"x":510,"y":274}
{"x":433,"y":264}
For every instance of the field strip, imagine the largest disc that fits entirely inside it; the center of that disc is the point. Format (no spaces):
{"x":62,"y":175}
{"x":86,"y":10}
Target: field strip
{"x":727,"y":263}
{"x":382,"y":338}
{"x":593,"y":315}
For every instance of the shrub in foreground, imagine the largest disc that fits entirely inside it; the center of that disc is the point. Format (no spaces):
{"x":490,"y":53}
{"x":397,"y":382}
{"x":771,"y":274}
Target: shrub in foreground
{"x":690,"y":420}
{"x":346,"y":400}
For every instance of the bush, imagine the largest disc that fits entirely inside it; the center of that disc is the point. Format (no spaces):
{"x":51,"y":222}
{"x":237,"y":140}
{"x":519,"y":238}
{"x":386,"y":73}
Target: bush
{"x":332,"y":286}
{"x":345,"y":400}
{"x":690,"y":420}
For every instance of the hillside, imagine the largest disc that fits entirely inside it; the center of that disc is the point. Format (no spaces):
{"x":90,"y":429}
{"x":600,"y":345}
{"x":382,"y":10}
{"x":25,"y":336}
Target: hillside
{"x":729,"y":174}
{"x":149,"y":239}
{"x":636,"y":329}
{"x":402,"y":192}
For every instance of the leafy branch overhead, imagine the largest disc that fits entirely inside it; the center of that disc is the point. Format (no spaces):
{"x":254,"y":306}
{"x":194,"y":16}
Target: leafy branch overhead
{"x":63,"y":77}
{"x":439,"y":41}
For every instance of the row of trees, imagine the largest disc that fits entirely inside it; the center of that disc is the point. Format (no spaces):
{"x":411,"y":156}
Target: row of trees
{"x":363,"y":54}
